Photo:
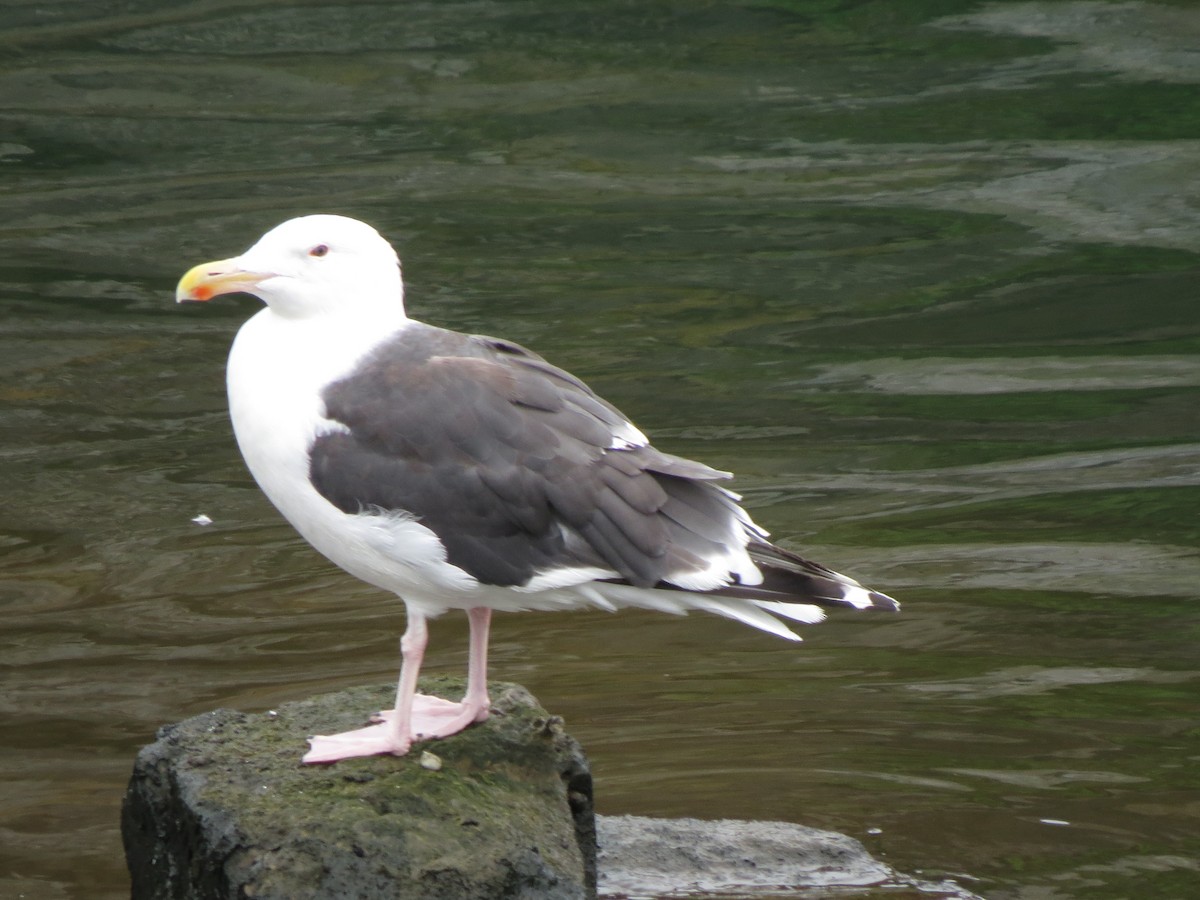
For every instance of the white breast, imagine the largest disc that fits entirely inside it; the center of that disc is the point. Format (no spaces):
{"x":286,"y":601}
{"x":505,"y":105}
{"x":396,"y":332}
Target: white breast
{"x":277,"y":370}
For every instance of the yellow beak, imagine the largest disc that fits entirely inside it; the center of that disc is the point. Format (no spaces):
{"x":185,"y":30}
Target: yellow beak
{"x":211,"y":279}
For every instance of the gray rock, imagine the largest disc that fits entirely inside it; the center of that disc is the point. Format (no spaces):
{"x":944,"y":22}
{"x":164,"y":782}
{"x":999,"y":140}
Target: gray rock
{"x":220,"y":807}
{"x":659,"y":858}
{"x":640,"y":856}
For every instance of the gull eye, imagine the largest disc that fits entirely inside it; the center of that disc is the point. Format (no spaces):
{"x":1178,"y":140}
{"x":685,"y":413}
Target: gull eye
{"x":319,"y":250}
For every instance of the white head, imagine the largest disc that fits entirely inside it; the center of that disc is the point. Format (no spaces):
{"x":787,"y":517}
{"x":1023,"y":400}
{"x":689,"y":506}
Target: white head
{"x":310,"y":266}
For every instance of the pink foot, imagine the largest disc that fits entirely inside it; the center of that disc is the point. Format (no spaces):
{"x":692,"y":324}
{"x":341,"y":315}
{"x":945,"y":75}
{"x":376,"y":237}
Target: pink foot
{"x":432,"y":717}
{"x":370,"y":741}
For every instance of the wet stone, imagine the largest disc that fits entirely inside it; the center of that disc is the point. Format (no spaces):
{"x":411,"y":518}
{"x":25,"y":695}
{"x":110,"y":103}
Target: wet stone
{"x":643,"y":857}
{"x":221,"y":807}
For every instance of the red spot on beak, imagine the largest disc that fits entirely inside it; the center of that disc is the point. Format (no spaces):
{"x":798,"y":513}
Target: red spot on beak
{"x":202,"y":292}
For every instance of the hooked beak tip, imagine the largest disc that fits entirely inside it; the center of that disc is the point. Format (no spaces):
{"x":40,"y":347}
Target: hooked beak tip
{"x":224,"y":276}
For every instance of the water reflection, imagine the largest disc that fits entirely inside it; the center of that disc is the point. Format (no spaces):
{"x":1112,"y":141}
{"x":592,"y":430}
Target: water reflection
{"x":907,"y":285}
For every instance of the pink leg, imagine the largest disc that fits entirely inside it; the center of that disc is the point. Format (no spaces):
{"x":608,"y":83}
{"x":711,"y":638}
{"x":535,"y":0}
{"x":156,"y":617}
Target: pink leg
{"x":477,"y":663}
{"x":394,"y":736}
{"x":433,"y":717}
{"x":416,"y":716}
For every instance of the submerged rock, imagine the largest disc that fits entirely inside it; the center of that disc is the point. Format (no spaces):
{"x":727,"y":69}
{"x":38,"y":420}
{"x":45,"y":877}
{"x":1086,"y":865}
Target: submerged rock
{"x":652,"y":856}
{"x":675,"y":858}
{"x":221,"y":807}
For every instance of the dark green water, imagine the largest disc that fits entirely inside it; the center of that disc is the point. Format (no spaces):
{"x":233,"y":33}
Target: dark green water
{"x":923,"y":273}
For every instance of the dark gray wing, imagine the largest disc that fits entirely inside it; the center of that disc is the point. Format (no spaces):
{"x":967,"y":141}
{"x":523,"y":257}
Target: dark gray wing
{"x":517,"y":466}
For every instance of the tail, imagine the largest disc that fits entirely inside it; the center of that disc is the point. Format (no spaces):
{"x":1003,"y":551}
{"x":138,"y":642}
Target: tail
{"x":791,"y":579}
{"x":792,"y":588}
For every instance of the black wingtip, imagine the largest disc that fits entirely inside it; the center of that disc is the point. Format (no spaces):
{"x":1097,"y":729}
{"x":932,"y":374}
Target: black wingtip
{"x":884,"y":602}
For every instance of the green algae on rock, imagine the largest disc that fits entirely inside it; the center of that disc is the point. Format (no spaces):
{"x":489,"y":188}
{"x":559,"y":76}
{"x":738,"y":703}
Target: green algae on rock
{"x":220,"y":806}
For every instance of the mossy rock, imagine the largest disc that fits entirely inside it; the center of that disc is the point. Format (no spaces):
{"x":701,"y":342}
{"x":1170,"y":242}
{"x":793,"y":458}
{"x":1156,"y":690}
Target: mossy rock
{"x":221,"y":807}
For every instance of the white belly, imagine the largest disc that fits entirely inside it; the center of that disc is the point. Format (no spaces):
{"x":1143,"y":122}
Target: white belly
{"x":277,"y":369}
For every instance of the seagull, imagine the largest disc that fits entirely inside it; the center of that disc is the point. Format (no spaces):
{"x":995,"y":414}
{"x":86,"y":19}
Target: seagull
{"x":464,"y":472}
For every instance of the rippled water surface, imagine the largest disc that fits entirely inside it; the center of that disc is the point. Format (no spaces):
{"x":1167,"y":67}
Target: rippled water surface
{"x":923,"y":273}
